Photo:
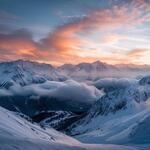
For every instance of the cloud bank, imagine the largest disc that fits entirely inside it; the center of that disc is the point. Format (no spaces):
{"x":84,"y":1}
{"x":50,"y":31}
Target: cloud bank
{"x":69,"y":90}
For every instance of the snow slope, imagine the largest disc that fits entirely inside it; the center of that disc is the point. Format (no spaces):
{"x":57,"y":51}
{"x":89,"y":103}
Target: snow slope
{"x":121,"y":128}
{"x":17,"y":133}
{"x":121,"y":116}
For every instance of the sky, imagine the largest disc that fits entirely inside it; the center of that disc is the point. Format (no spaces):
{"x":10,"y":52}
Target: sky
{"x":74,"y":31}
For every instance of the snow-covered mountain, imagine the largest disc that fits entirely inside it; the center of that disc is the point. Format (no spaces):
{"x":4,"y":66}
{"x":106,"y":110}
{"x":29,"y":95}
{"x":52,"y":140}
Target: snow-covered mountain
{"x":98,"y":69}
{"x":87,"y":71}
{"x":26,"y":72}
{"x":117,"y":109}
{"x":87,"y":67}
{"x":120,"y":116}
{"x":59,"y":120}
{"x":18,"y":133}
{"x":31,"y":87}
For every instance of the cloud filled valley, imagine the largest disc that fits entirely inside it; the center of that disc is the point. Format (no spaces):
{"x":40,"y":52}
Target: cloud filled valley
{"x":98,"y":110}
{"x":51,"y":95}
{"x":75,"y":75}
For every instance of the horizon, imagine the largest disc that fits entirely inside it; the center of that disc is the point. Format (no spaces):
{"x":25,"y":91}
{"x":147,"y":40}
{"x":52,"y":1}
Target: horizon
{"x":34,"y":61}
{"x":71,"y":32}
{"x":75,"y":74}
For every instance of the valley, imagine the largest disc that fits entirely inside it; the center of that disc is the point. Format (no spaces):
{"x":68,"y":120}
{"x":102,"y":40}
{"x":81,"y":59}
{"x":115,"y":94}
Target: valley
{"x":90,"y":113}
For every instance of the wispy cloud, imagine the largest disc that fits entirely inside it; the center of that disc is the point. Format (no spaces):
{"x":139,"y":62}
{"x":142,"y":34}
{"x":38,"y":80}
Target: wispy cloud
{"x":66,"y":37}
{"x":85,"y":38}
{"x":7,"y":16}
{"x":136,"y":53}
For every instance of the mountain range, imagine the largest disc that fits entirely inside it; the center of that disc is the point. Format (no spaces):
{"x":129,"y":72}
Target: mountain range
{"x":103,"y":106}
{"x":26,"y":72}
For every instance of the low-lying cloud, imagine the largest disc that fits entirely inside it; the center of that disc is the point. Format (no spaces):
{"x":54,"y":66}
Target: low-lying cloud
{"x":68,"y":90}
{"x":109,"y":84}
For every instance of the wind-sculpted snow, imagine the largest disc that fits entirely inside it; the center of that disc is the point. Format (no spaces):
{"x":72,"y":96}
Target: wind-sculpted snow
{"x":18,"y":133}
{"x":68,"y":95}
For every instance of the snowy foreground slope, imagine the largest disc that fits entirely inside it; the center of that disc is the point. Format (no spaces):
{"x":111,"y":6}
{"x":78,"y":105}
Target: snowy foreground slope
{"x":17,"y":133}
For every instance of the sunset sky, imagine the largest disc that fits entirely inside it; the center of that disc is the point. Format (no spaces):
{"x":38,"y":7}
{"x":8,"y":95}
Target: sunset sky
{"x":73,"y":31}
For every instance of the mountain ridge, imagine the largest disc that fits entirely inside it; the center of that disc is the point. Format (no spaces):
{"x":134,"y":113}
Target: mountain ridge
{"x":25,"y":72}
{"x":94,"y":62}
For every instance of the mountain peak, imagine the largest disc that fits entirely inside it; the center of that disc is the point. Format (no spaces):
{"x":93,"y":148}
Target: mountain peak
{"x":98,"y":62}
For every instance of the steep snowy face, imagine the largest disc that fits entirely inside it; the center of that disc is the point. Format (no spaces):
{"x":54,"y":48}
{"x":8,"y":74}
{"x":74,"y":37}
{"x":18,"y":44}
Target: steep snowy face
{"x":18,"y":131}
{"x":26,"y":72}
{"x":119,"y":93}
{"x":59,"y":120}
{"x":124,"y":127}
{"x":120,"y":99}
{"x":116,"y":115}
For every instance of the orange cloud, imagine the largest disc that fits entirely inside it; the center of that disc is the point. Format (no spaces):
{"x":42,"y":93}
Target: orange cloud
{"x":138,"y":52}
{"x":110,"y":38}
{"x":66,"y":37}
{"x":65,"y":43}
{"x":17,"y":44}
